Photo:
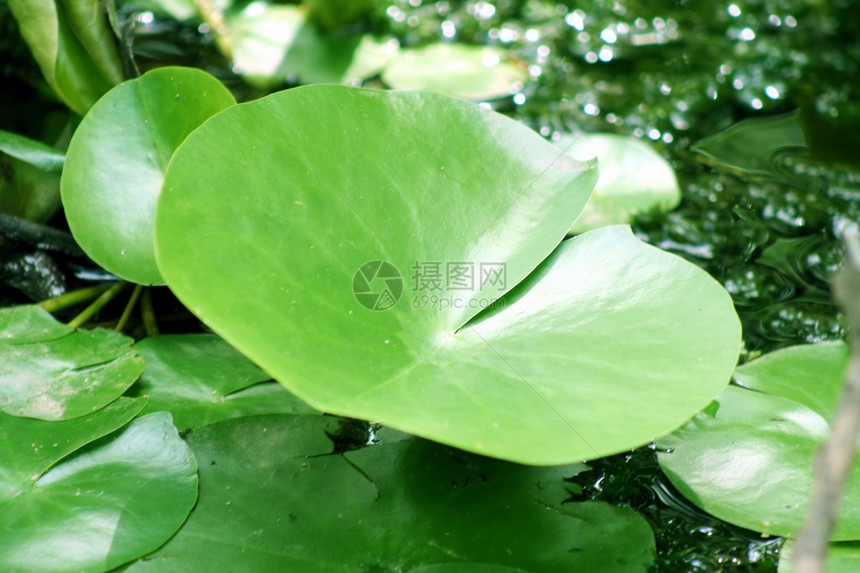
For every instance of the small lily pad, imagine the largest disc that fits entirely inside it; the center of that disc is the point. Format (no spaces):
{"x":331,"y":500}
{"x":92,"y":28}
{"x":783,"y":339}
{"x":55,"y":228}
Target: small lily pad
{"x":459,"y":70}
{"x":274,"y":498}
{"x":632,"y":178}
{"x":201,"y":379}
{"x":109,"y":503}
{"x":117,"y":158}
{"x":63,"y":373}
{"x":748,"y":459}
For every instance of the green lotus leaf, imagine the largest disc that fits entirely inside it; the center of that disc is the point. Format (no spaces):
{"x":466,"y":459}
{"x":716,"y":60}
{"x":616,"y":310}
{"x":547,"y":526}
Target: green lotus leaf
{"x":459,"y":70}
{"x":609,"y":344}
{"x":633,"y":178}
{"x":32,"y":446}
{"x":73,"y":47}
{"x":61,"y":374}
{"x":841,"y":557}
{"x":33,"y":152}
{"x":286,"y":503}
{"x":809,"y":374}
{"x":273,"y":43}
{"x":262,"y":36}
{"x":748,"y":459}
{"x":200,"y":379}
{"x":116,"y":162}
{"x":109,"y":503}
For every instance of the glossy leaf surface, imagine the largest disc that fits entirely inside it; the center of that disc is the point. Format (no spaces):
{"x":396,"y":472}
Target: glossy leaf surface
{"x":288,"y":504}
{"x":55,"y":373}
{"x":31,"y":151}
{"x":609,"y":345}
{"x":200,"y":379}
{"x":632,"y":178}
{"x":459,"y":70}
{"x":748,"y":459}
{"x":809,"y":374}
{"x":117,"y":158}
{"x":29,"y":177}
{"x":73,"y":47}
{"x":121,"y":497}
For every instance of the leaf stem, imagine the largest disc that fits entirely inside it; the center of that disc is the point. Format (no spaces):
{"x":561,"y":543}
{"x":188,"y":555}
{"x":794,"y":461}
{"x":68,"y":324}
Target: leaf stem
{"x":147,"y":313}
{"x":97,"y":304}
{"x":72,"y":298}
{"x":834,"y":462}
{"x":126,"y":312}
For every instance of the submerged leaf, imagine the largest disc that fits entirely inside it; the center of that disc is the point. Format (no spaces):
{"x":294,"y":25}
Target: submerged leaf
{"x":273,"y":498}
{"x":200,"y":380}
{"x":753,"y":146}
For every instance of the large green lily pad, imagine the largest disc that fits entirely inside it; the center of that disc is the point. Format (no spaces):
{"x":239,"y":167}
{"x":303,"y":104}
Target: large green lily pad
{"x":117,"y":158}
{"x":608,"y":345}
{"x":53,"y":372}
{"x":200,"y":379}
{"x":273,"y":498}
{"x":748,"y":459}
{"x":109,"y":503}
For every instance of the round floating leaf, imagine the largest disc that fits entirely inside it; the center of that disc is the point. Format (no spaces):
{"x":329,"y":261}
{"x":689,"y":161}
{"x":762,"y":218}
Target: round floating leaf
{"x":633,"y":178}
{"x":111,"y":502}
{"x":64,"y":373}
{"x":809,"y":374}
{"x":31,"y":446}
{"x":460,"y":70}
{"x":201,"y":379}
{"x":273,"y":498}
{"x":748,"y":459}
{"x":609,"y":345}
{"x":116,"y":162}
